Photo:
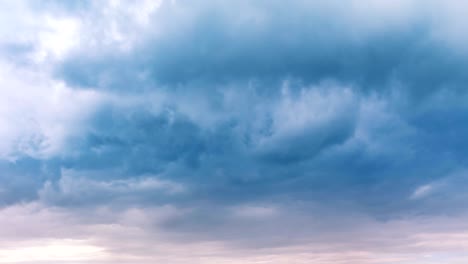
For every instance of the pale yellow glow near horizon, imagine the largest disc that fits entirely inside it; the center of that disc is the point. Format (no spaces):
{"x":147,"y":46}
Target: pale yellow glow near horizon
{"x":56,"y":250}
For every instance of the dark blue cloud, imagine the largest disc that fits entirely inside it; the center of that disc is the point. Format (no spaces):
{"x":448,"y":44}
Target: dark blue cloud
{"x":262,"y":102}
{"x":139,"y":141}
{"x":215,"y":44}
{"x":21,"y":179}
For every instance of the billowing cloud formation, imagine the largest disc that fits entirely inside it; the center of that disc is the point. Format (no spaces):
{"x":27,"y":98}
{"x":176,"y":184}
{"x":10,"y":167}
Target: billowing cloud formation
{"x":319,"y":132}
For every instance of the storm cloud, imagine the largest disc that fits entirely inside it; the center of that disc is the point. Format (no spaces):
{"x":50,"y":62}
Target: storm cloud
{"x":319,"y":132}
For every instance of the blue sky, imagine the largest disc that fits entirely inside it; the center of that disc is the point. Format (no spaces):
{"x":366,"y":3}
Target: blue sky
{"x":233,"y":132}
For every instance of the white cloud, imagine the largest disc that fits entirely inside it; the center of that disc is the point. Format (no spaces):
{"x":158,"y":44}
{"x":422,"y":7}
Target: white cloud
{"x":59,"y":36}
{"x":63,"y":250}
{"x":422,"y":191}
{"x":312,"y":107}
{"x":38,"y":114}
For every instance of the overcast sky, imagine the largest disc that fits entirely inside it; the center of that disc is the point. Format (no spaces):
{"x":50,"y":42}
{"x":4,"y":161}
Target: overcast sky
{"x":242,"y":132}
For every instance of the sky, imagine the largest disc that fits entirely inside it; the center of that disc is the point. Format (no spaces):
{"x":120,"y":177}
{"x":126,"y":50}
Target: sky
{"x":249,"y":131}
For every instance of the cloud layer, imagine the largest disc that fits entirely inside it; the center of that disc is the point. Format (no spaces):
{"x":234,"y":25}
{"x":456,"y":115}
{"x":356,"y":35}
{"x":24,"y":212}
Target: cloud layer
{"x":320,"y":132}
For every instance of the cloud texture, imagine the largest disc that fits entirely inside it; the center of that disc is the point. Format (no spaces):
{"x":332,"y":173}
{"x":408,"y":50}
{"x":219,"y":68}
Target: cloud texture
{"x":233,"y":132}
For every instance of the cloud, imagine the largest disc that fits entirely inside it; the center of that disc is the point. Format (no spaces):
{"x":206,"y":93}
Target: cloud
{"x":422,"y":191}
{"x":301,"y":127}
{"x":80,"y":188}
{"x":150,"y":128}
{"x":268,"y":42}
{"x":62,"y":250}
{"x":135,"y":234}
{"x":39,"y":128}
{"x":254,"y":211}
